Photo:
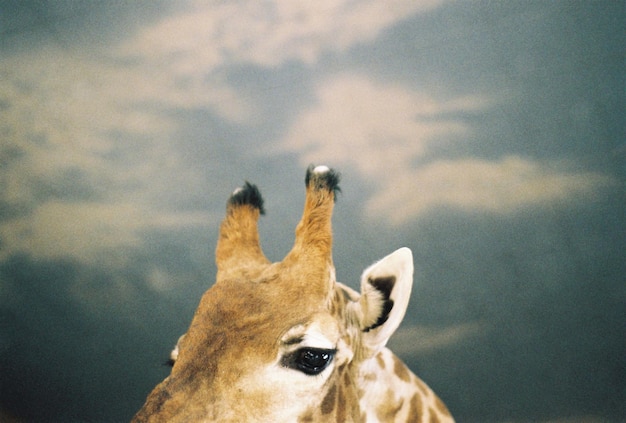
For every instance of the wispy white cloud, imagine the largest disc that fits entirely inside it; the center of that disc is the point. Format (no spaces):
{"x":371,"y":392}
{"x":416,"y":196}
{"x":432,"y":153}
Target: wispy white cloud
{"x":105,"y":116}
{"x":382,"y":130}
{"x":89,"y":231}
{"x":67,"y":115}
{"x":186,"y":55}
{"x":502,"y":186}
{"x":265,"y":33}
{"x":423,"y":339}
{"x":375,"y":127}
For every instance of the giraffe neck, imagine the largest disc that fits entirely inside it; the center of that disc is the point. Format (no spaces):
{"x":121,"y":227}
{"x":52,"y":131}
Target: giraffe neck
{"x":392,"y":393}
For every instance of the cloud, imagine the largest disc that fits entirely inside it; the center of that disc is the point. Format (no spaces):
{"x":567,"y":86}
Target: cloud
{"x":87,"y":152}
{"x":88,"y":231}
{"x":500,"y":186}
{"x":372,"y":126}
{"x":87,"y":157}
{"x":416,"y":340}
{"x":64,"y":112}
{"x":187,"y":55}
{"x":387,"y":132}
{"x":265,"y":33}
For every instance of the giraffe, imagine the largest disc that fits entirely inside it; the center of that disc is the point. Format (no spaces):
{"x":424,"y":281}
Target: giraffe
{"x":286,"y":342}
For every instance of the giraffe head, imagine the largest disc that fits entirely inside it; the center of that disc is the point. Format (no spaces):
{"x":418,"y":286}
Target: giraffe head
{"x":281,"y":342}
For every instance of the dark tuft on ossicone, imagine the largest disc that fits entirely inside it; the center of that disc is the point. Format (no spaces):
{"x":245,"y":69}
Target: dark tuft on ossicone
{"x":323,"y":177}
{"x":248,"y":194}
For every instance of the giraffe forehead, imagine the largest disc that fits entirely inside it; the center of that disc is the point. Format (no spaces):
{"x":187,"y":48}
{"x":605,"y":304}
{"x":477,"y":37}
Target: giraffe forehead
{"x":259,"y":314}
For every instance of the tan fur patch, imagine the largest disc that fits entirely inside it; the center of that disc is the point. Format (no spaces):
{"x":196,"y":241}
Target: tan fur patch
{"x":441,"y":406}
{"x":433,"y":416}
{"x":381,"y":361}
{"x":400,"y":369}
{"x":341,"y":406}
{"x":328,"y":404}
{"x":370,"y":377}
{"x":390,"y":407}
{"x":422,"y":387}
{"x":415,"y":412}
{"x":308,"y":417}
{"x":347,"y":381}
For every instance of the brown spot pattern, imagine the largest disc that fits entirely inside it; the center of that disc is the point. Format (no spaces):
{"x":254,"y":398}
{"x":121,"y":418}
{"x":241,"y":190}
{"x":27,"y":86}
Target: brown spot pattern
{"x":308,"y":417}
{"x":347,"y":380}
{"x":415,"y":410}
{"x":370,"y":377}
{"x":328,"y":404}
{"x":381,"y":361}
{"x":433,"y":416}
{"x":422,"y":387}
{"x":400,"y":369}
{"x":390,"y":407}
{"x":441,"y":407}
{"x":341,"y":407}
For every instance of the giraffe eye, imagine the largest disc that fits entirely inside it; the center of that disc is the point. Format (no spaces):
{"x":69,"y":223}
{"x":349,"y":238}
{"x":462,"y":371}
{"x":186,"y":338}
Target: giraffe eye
{"x":311,"y":361}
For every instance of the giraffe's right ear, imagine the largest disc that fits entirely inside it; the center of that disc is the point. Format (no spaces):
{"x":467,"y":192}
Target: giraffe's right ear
{"x":385,"y":292}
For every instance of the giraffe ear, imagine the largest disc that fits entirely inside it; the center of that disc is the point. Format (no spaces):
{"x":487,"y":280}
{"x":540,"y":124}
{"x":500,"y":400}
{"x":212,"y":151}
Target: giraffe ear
{"x":385,"y":292}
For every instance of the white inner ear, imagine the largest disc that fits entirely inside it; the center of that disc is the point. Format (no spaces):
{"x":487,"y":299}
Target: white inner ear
{"x":399,"y":266}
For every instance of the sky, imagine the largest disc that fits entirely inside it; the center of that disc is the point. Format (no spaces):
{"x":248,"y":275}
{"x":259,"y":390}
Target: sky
{"x":488,"y":137}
